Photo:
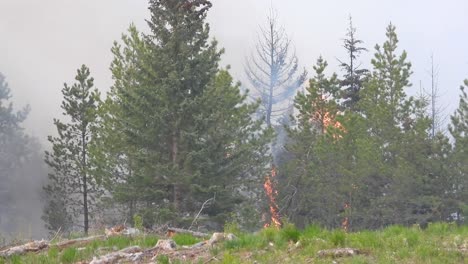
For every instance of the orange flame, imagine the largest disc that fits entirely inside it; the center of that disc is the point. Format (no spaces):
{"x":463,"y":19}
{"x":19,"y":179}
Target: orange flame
{"x":272,"y":192}
{"x":324,"y":118}
{"x":345,"y":223}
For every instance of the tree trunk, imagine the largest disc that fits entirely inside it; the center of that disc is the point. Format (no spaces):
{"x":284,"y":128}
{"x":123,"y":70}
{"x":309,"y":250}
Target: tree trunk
{"x":85,"y":184}
{"x":174,"y":152}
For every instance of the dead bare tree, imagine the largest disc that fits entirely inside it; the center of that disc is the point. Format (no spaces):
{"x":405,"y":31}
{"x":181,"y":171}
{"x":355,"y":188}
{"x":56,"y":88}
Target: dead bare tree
{"x":435,"y":109}
{"x":273,"y":70}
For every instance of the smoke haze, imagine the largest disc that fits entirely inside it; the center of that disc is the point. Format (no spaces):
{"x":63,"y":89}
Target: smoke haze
{"x":43,"y":42}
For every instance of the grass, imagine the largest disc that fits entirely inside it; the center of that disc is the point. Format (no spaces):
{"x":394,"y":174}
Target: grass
{"x":439,"y":243}
{"x":185,"y":239}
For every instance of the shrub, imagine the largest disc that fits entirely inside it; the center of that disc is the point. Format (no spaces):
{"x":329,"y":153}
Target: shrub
{"x":289,"y":232}
{"x":338,"y":238}
{"x":232,"y":227}
{"x":138,"y":222}
{"x":311,"y":231}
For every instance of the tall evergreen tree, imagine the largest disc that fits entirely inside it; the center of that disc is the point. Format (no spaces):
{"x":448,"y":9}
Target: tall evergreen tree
{"x":72,"y":188}
{"x":459,"y":131}
{"x":307,"y":187}
{"x":184,"y":129}
{"x":399,"y":126}
{"x":354,"y":76}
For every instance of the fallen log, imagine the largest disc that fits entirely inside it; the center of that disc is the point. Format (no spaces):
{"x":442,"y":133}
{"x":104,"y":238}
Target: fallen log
{"x":77,"y":242}
{"x":37,"y":246}
{"x":165,"y":244}
{"x":220,"y":237}
{"x":132,"y":254}
{"x":33,"y":246}
{"x":173,"y":230}
{"x":339,"y":252}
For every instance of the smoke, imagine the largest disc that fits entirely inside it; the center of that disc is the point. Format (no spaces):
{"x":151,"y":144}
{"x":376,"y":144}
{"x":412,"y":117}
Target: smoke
{"x":22,"y":175}
{"x":20,"y":192}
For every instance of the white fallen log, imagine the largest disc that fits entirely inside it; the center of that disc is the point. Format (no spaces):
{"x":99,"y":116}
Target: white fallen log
{"x":220,"y":237}
{"x":37,"y":246}
{"x":33,"y":246}
{"x":132,"y":254}
{"x":165,"y":244}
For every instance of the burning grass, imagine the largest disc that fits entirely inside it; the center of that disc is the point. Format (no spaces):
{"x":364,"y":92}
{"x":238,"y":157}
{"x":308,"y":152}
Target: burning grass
{"x":439,"y":243}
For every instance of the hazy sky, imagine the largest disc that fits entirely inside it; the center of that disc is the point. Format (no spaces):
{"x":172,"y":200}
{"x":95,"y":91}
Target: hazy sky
{"x":43,"y":42}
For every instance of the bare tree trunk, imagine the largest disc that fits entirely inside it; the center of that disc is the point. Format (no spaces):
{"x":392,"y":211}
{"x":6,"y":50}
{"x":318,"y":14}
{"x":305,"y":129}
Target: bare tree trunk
{"x":85,"y":183}
{"x":433,"y":99}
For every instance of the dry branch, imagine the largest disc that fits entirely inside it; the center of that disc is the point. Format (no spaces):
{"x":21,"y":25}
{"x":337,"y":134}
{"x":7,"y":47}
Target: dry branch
{"x":201,"y":209}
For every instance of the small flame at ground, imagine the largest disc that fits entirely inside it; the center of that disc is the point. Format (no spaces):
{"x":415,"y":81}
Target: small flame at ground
{"x":272,"y":192}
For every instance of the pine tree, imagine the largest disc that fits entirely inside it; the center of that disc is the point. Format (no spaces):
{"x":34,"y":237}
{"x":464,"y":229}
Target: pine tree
{"x":399,"y":127}
{"x":319,"y":104}
{"x":9,"y":120}
{"x":308,"y":188}
{"x":183,"y":129}
{"x":459,"y":131}
{"x":354,"y":77}
{"x":390,"y":78}
{"x":72,"y":188}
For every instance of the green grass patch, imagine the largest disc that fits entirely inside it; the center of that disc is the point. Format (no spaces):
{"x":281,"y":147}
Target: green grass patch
{"x":338,"y":238}
{"x":163,"y":259}
{"x":69,"y":255}
{"x":290,"y":233}
{"x":185,"y":239}
{"x":246,"y":241}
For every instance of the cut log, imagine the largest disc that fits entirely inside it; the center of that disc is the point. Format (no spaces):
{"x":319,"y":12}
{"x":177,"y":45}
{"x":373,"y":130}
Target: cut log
{"x":339,"y":252}
{"x":165,"y":244}
{"x":132,"y":254}
{"x":220,"y":237}
{"x":172,"y":230}
{"x":33,"y":246}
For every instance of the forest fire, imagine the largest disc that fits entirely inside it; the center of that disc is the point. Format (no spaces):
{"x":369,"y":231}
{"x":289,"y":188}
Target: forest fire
{"x":345,"y":222}
{"x":272,"y":192}
{"x":324,"y":118}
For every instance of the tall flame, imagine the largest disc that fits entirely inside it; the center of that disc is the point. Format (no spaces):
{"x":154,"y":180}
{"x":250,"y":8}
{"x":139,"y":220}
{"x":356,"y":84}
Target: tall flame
{"x":272,"y":192}
{"x":345,"y":223}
